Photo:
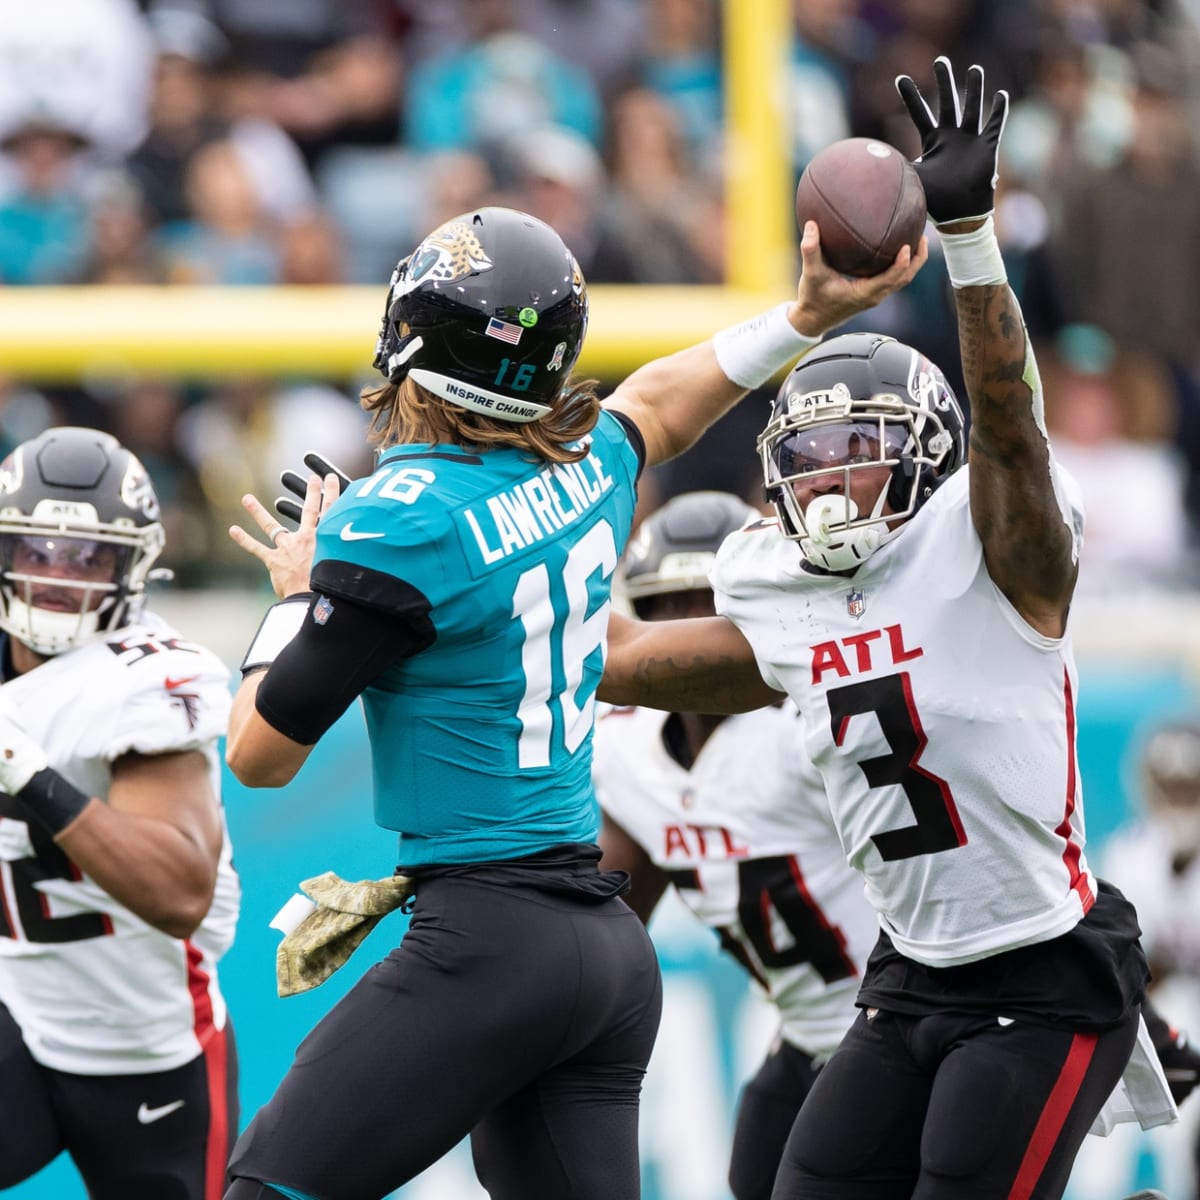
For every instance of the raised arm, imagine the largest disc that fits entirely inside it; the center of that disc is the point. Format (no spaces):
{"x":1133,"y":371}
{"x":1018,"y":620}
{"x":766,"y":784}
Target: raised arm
{"x":703,"y":665}
{"x":1020,"y":515}
{"x":1023,"y":521}
{"x":673,"y":400}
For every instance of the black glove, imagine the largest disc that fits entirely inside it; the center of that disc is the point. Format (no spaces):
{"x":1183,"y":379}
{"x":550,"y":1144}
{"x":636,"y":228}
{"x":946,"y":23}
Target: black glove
{"x":1180,"y":1061}
{"x":958,"y":151}
{"x":297,"y":484}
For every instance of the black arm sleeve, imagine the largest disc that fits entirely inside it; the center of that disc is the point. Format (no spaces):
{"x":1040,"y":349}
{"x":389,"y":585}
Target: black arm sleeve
{"x":635,"y":440}
{"x":360,"y":623}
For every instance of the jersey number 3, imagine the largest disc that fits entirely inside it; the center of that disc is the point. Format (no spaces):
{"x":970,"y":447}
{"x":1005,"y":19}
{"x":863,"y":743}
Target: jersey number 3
{"x":557,"y":645}
{"x":937,"y":826}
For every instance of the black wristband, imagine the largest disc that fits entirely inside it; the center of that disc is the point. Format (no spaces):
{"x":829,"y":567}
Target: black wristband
{"x":52,"y":800}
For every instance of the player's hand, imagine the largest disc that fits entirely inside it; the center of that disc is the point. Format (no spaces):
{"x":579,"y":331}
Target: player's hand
{"x":289,"y":556}
{"x":959,"y":152}
{"x":297,"y":484}
{"x":825,"y":298}
{"x":1180,"y":1063}
{"x":21,"y":758}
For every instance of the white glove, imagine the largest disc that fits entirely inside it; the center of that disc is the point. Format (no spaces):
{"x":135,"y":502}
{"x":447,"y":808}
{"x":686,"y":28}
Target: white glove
{"x":21,"y":758}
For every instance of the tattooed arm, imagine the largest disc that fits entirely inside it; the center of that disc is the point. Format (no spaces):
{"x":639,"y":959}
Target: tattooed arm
{"x":1021,"y":517}
{"x":703,"y":665}
{"x":1023,"y":521}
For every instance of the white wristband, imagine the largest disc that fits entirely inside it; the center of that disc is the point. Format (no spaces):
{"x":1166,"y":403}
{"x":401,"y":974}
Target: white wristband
{"x":751,"y":353}
{"x":973,"y":259}
{"x":279,"y":626}
{"x":21,"y":758}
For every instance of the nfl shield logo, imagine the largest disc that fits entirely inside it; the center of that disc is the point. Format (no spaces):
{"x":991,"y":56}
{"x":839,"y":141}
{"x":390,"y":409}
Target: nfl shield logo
{"x":856,"y":604}
{"x":322,"y":610}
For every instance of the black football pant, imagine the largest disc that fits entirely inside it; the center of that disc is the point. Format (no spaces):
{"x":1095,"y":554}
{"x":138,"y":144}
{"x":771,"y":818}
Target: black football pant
{"x":768,"y":1107}
{"x":159,"y":1136}
{"x":949,"y":1106}
{"x":520,"y":1017}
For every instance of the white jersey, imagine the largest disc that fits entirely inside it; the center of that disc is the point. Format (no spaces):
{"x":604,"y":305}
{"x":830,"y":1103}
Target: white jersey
{"x":942,"y":724}
{"x":748,"y":840}
{"x":95,"y":989}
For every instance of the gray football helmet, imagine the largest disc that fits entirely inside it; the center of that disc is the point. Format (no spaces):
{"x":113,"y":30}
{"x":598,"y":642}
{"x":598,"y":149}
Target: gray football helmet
{"x":70,"y":499}
{"x":674,"y":548}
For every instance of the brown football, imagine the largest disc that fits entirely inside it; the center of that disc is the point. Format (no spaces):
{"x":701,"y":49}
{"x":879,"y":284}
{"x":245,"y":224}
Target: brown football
{"x":867,"y":201}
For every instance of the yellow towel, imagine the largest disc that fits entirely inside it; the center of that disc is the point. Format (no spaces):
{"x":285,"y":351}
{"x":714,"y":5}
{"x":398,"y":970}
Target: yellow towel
{"x":327,"y":936}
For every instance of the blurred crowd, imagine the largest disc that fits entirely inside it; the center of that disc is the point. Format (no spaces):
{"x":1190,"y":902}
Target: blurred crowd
{"x":244,"y":142}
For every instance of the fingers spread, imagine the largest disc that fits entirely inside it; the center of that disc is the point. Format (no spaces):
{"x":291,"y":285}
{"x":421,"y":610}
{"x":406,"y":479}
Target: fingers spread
{"x":249,"y":543}
{"x":287,"y":508}
{"x":257,"y":510}
{"x":998,"y":115}
{"x":312,"y":503}
{"x":949,"y":108}
{"x":331,"y":488}
{"x":920,"y":112}
{"x":294,"y":482}
{"x":972,"y":117}
{"x":320,"y":465}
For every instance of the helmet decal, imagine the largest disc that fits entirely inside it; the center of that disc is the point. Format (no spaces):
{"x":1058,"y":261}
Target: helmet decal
{"x":452,"y":251}
{"x":504,"y":331}
{"x":138,"y":492}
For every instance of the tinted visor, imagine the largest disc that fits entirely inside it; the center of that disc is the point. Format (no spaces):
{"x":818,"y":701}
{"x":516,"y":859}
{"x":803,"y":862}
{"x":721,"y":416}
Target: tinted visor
{"x":821,"y":447}
{"x":67,"y":557}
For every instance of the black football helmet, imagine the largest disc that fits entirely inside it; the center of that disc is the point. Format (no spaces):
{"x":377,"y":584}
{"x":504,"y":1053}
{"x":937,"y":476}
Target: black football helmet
{"x":674,"y":548}
{"x":489,"y":313}
{"x":860,"y":400}
{"x":64,"y":495}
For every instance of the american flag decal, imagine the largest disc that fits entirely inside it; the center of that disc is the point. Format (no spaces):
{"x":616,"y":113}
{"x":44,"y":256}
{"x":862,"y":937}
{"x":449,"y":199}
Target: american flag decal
{"x":504,"y":331}
{"x":856,"y":604}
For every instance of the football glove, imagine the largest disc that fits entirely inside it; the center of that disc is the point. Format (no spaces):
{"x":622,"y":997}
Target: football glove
{"x":21,"y":758}
{"x":959,"y":152}
{"x":295,"y":483}
{"x":1180,"y":1060}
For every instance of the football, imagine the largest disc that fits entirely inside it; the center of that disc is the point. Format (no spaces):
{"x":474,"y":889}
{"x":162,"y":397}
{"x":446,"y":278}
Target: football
{"x":867,"y":201}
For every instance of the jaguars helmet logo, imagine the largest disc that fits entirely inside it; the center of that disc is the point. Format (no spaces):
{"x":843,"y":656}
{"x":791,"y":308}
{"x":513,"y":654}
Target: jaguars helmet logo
{"x":452,"y":251}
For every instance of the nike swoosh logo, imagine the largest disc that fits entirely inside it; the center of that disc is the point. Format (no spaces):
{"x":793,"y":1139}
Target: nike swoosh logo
{"x":147,"y":1115}
{"x":352,"y":535}
{"x":171,"y":684}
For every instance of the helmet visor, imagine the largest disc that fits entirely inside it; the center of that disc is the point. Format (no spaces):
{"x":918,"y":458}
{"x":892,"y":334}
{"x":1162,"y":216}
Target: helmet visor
{"x":850,"y":444}
{"x":88,"y":560}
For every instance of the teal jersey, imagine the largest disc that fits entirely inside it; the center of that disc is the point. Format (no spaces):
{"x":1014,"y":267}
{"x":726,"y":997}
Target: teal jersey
{"x":482,"y":743}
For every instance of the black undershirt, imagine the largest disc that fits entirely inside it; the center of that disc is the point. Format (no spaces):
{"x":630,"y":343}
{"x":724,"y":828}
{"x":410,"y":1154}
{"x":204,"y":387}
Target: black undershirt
{"x":1090,"y":978}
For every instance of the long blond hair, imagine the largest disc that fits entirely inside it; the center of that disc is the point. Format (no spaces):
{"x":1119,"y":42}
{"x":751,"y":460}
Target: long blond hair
{"x":406,"y":413}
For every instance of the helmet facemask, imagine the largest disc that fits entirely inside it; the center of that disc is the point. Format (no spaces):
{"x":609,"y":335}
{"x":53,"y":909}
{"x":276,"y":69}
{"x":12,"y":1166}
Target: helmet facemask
{"x":51,"y":630}
{"x":79,"y":532}
{"x":828,"y":434}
